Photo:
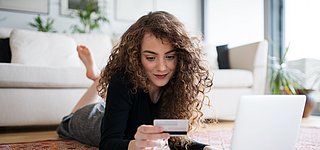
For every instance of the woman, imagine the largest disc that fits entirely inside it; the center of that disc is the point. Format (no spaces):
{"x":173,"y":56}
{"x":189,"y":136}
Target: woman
{"x":154,"y":72}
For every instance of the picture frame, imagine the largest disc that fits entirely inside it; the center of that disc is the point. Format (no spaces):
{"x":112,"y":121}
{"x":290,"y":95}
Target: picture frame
{"x":69,"y":7}
{"x":30,"y":6}
{"x":126,"y":13}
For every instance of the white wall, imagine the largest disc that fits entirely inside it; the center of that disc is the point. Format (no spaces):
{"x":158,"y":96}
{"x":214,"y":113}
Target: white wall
{"x":230,"y":22}
{"x":14,"y":19}
{"x":188,"y":11}
{"x":234,"y":22}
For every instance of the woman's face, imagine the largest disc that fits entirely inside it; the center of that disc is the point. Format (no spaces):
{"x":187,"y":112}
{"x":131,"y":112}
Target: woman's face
{"x":158,"y":59}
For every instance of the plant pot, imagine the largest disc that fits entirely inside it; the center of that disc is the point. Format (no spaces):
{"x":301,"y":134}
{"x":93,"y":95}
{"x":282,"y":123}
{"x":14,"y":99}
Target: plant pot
{"x":309,"y":105}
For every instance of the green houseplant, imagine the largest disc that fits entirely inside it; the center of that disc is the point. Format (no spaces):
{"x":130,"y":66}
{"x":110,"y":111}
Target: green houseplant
{"x":284,"y":80}
{"x":91,"y":18}
{"x":43,"y":25}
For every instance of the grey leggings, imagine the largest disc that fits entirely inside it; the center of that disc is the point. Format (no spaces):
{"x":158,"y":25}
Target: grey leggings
{"x":83,"y":125}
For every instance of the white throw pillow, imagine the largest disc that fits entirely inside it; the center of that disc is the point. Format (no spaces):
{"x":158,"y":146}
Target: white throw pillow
{"x":210,"y":52}
{"x":5,"y":32}
{"x":99,"y":44}
{"x":43,"y":49}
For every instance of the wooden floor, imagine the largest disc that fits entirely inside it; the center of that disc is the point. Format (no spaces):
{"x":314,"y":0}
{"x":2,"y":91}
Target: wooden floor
{"x":29,"y":136}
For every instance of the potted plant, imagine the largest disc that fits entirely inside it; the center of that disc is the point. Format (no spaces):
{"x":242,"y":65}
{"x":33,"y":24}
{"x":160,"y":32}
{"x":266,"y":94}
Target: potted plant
{"x":91,"y":18}
{"x":41,"y":25}
{"x":284,"y":80}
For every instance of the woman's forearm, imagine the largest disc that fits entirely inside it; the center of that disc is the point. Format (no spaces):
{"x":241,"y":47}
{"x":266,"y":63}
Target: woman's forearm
{"x":132,"y":145}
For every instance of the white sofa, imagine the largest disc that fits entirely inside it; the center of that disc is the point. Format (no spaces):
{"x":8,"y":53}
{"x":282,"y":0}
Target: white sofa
{"x":246,"y":76}
{"x":45,"y":78}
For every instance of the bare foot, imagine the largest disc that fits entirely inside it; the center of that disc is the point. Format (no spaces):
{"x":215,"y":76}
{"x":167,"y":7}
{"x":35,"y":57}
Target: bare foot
{"x":87,"y":59}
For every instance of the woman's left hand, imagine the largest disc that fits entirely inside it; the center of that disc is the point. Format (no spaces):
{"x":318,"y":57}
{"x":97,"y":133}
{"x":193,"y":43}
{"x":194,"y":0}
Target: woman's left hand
{"x":148,"y":136}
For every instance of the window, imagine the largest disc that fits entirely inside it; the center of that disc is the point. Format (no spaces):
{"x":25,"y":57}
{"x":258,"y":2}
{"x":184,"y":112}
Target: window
{"x":302,"y":28}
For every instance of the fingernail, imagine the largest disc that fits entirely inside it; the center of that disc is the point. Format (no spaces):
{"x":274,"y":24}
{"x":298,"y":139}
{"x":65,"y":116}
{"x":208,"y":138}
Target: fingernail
{"x":167,"y":136}
{"x":161,"y":129}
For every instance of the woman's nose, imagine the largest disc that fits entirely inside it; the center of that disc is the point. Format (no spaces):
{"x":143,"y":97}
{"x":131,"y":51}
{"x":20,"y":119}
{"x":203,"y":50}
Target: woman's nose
{"x":162,"y":65}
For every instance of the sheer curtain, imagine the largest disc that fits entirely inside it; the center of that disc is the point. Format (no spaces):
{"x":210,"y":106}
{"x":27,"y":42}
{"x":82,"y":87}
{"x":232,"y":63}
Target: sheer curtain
{"x":302,"y":28}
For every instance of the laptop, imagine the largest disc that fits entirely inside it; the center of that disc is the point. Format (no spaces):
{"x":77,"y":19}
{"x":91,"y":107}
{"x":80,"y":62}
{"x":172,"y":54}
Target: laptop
{"x":268,"y":122}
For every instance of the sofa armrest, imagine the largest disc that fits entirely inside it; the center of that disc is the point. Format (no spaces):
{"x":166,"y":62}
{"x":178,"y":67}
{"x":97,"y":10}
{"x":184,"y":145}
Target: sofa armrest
{"x":252,"y":57}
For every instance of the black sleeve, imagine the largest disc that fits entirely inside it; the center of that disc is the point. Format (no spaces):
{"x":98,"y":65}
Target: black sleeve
{"x":196,"y":146}
{"x":193,"y":146}
{"x":114,"y":122}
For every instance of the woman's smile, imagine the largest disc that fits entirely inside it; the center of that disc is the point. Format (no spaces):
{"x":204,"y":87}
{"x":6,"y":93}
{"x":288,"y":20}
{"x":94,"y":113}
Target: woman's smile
{"x":160,"y":76}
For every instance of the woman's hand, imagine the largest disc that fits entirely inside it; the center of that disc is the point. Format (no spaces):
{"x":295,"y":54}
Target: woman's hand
{"x":149,"y":137}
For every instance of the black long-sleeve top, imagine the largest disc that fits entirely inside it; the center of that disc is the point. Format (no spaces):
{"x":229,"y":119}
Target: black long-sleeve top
{"x":125,"y":112}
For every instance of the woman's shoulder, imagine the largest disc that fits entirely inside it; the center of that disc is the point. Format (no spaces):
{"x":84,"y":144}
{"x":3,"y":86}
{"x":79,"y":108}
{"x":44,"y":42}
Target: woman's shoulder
{"x":119,"y":78}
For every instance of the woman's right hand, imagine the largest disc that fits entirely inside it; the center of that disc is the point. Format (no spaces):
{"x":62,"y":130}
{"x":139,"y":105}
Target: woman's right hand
{"x":149,"y":137}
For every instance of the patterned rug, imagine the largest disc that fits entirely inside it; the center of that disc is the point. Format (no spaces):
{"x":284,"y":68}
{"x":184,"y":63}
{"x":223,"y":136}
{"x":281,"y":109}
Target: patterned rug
{"x":62,"y":144}
{"x":309,"y":139}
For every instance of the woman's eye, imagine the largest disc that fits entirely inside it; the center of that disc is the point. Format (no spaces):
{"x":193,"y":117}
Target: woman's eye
{"x":170,"y":57}
{"x":150,"y":58}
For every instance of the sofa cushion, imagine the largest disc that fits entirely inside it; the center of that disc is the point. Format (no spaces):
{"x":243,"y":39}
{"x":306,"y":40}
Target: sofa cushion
{"x":43,"y":49}
{"x":223,"y":56}
{"x":5,"y":51}
{"x":211,"y":56}
{"x":99,"y":44}
{"x":5,"y":32}
{"x":19,"y":75}
{"x":232,"y":78}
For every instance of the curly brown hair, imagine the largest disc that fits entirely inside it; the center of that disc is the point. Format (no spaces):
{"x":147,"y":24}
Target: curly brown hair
{"x":182,"y":97}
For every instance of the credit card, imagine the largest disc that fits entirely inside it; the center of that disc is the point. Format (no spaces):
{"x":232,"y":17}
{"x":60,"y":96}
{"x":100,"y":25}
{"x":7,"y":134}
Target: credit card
{"x":175,"y":127}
